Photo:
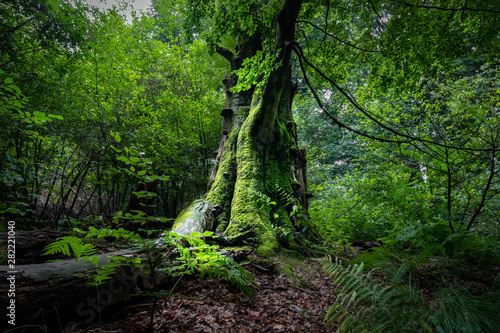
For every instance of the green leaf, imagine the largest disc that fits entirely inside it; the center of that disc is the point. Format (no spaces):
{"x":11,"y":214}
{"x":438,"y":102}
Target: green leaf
{"x":12,"y":210}
{"x":57,"y":116}
{"x":135,"y":152}
{"x":115,"y":149}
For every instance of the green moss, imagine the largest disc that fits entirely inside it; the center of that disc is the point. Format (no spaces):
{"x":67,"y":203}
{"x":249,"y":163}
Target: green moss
{"x":183,"y":216}
{"x":239,"y":248}
{"x":269,"y":245}
{"x":266,"y":252}
{"x":246,"y":211}
{"x":222,"y":189}
{"x":257,"y":159}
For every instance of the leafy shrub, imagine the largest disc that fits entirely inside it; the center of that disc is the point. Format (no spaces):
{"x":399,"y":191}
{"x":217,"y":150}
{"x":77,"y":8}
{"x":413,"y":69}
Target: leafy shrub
{"x":435,"y":239}
{"x":363,"y":205}
{"x":365,"y":303}
{"x":196,"y":256}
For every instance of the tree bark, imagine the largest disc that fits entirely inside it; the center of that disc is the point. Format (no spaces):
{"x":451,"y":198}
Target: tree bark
{"x":200,"y":216}
{"x":57,"y":294}
{"x":258,"y":156}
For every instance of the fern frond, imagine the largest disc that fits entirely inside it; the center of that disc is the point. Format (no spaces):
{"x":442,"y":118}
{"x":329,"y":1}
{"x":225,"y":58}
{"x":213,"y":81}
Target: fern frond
{"x":363,"y":304}
{"x":104,"y":273}
{"x":61,"y":245}
{"x":83,"y":250}
{"x":67,"y":244}
{"x":219,"y":266}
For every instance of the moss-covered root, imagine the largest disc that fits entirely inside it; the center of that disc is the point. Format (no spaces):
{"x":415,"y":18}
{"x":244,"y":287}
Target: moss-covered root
{"x":200,"y":216}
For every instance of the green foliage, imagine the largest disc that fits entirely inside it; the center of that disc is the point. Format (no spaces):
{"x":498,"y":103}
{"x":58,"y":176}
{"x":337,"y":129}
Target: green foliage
{"x":254,"y":70}
{"x":72,"y":75}
{"x":263,"y":199}
{"x":364,"y":304}
{"x":194,"y":256}
{"x":432,"y":251}
{"x":104,"y":273}
{"x":205,"y":259}
{"x":459,"y":311}
{"x":437,"y":104}
{"x":217,"y":21}
{"x":79,"y":249}
{"x":435,"y":239}
{"x":364,"y":204}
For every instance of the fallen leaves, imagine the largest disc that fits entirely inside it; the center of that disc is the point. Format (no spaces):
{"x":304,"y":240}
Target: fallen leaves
{"x":215,"y":306}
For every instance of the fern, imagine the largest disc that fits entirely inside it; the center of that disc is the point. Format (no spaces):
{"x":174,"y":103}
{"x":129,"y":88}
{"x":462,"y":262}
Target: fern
{"x":209,"y":262}
{"x":205,"y":259}
{"x":289,"y":198}
{"x":104,"y":273}
{"x":224,"y":267}
{"x":64,"y":244}
{"x":398,"y":276}
{"x":362,"y":305}
{"x":86,"y":252}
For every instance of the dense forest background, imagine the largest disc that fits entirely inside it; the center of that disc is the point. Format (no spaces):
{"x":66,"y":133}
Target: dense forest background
{"x":102,"y":113}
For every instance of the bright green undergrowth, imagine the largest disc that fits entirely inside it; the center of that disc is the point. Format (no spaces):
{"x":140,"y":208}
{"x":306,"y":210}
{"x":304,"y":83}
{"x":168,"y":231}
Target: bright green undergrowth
{"x":367,"y":303}
{"x":193,"y":256}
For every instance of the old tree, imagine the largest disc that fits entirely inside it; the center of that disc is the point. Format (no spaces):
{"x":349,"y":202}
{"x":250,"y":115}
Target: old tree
{"x":259,"y":176}
{"x":351,"y":51}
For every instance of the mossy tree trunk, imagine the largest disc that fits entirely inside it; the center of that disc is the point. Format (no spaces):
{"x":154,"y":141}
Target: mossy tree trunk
{"x":259,"y":166}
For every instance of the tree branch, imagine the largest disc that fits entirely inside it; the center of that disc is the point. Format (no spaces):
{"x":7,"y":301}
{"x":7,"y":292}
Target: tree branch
{"x":225,"y":52}
{"x":338,"y":39}
{"x":353,"y":102}
{"x":485,"y":192}
{"x":335,"y":120}
{"x":461,"y":9}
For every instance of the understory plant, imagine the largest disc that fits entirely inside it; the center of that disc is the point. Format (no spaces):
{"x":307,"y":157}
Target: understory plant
{"x":459,"y":311}
{"x":366,"y":303}
{"x":436,"y":240}
{"x":172,"y":254}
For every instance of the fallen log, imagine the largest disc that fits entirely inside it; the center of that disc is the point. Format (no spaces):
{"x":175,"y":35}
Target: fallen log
{"x":29,"y":245}
{"x":57,"y":294}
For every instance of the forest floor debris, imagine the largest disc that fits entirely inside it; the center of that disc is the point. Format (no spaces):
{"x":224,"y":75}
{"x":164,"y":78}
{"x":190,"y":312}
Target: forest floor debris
{"x":292,"y":298}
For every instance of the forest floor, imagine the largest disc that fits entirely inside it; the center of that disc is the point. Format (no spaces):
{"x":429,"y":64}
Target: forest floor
{"x":294,"y":294}
{"x":293,"y":297}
